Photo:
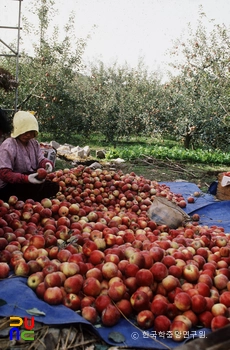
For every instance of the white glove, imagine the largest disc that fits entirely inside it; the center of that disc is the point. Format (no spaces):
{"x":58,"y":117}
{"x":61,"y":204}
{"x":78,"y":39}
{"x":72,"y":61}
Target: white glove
{"x":32,"y":178}
{"x":49,"y":168}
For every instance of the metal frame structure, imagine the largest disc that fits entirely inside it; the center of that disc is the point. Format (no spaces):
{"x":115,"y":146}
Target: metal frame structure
{"x":14,"y":53}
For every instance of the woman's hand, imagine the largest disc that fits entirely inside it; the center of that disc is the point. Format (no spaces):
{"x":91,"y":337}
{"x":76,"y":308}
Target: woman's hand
{"x":32,"y":178}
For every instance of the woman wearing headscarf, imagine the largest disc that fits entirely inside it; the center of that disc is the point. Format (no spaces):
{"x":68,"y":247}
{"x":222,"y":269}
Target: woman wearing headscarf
{"x":21,"y":156}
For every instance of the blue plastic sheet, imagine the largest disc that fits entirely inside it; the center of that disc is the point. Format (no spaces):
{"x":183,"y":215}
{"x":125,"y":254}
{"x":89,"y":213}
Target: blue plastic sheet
{"x":20,"y":298}
{"x":211,"y":210}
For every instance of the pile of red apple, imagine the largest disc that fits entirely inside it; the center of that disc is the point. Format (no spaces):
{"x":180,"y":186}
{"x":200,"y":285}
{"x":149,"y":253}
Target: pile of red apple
{"x":94,"y":249}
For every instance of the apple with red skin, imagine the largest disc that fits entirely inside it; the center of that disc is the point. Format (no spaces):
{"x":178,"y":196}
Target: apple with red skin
{"x":182,"y":301}
{"x":117,"y":290}
{"x":41,"y":173}
{"x":125,"y":307}
{"x":198,"y":303}
{"x":161,"y":324}
{"x":156,"y":253}
{"x":3,"y":243}
{"x":52,"y":279}
{"x":63,"y":255}
{"x":96,"y":257}
{"x":205,"y":278}
{"x":53,"y":252}
{"x":205,"y":318}
{"x":12,"y":200}
{"x":137,"y":258}
{"x":43,"y":260}
{"x":73,"y":284}
{"x":159,"y":305}
{"x":46,"y":203}
{"x":144,"y":277}
{"x":168,"y":260}
{"x":5,"y":256}
{"x":69,"y":268}
{"x":90,"y":314}
{"x":131,"y":284}
{"x":91,"y":287}
{"x":170,"y":282}
{"x":178,"y":330}
{"x":220,"y":281}
{"x":101,"y":302}
{"x":30,"y":253}
{"x":95,"y":272}
{"x":219,"y":309}
{"x":4,"y":270}
{"x":88,"y":247}
{"x":72,"y":301}
{"x":21,"y":268}
{"x":139,"y":301}
{"x":37,"y":241}
{"x":35,"y":279}
{"x":159,"y":271}
{"x":109,"y":270}
{"x":219,"y":322}
{"x":191,"y":273}
{"x":87,"y":301}
{"x":225,"y":298}
{"x":130,"y":270}
{"x":40,"y":290}
{"x":53,"y":296}
{"x":145,"y":319}
{"x":110,"y":316}
{"x":49,"y":267}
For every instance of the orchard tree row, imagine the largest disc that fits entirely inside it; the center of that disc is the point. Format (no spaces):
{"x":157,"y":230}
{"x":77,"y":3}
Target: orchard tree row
{"x":119,"y":101}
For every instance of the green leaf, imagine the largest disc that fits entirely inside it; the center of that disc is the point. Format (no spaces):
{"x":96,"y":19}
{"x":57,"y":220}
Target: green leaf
{"x":117,"y":337}
{"x":35,"y":312}
{"x":2,"y":302}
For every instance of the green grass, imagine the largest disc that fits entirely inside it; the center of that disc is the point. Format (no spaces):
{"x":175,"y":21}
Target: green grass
{"x":134,"y":148}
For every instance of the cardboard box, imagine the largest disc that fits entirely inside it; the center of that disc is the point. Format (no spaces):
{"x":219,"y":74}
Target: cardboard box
{"x":222,"y":193}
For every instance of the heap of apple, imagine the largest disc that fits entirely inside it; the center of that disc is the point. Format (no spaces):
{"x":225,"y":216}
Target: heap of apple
{"x":94,"y":249}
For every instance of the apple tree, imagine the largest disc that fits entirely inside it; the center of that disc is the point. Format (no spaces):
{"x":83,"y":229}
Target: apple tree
{"x":196,"y":103}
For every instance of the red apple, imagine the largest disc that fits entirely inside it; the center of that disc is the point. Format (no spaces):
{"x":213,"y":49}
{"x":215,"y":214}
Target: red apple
{"x":182,"y":301}
{"x":4,"y":270}
{"x":145,"y":319}
{"x":110,"y":316}
{"x":159,"y":271}
{"x":90,"y":314}
{"x":139,"y":301}
{"x":35,"y":279}
{"x":72,"y":301}
{"x":91,"y":287}
{"x":162,"y":324}
{"x":73,"y":284}
{"x":219,"y":322}
{"x":53,"y":295}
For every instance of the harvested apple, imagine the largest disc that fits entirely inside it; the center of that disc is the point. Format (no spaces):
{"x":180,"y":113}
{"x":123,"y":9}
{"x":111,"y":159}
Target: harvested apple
{"x":42,"y":173}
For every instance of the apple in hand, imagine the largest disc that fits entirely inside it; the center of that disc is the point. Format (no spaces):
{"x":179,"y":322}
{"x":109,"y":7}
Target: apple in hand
{"x":41,"y":173}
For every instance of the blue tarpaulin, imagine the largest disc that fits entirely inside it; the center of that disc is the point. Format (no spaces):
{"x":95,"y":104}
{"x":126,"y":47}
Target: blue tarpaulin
{"x":20,"y":297}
